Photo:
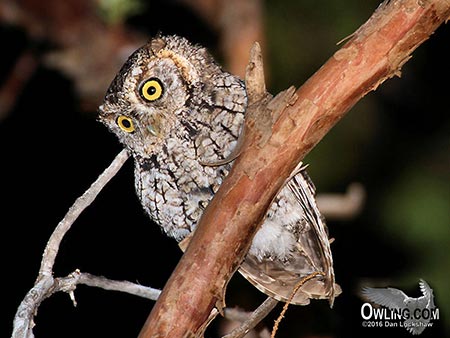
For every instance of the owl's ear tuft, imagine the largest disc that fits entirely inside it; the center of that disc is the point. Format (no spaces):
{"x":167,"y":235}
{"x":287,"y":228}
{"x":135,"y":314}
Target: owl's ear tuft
{"x":157,"y":44}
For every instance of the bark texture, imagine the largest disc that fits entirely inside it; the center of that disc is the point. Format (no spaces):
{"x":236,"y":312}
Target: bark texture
{"x":279,"y":133}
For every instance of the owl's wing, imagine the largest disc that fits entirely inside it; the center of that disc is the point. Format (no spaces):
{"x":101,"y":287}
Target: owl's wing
{"x":313,"y":255}
{"x":428,"y":298}
{"x":389,"y":297}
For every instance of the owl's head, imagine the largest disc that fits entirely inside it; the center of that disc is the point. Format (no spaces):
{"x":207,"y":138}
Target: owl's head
{"x":162,"y":84}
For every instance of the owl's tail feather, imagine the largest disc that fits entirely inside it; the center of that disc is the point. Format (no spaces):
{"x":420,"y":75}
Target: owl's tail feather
{"x":293,"y":288}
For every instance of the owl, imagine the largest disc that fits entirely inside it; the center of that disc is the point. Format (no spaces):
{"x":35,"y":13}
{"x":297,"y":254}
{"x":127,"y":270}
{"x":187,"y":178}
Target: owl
{"x":176,"y":111}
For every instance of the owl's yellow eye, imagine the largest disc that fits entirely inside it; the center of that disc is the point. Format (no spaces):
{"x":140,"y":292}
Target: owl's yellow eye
{"x":125,"y":123}
{"x":151,"y":89}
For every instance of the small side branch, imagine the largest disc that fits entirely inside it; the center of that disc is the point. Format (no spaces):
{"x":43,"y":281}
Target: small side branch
{"x":46,"y":284}
{"x":249,"y":320}
{"x":115,"y":285}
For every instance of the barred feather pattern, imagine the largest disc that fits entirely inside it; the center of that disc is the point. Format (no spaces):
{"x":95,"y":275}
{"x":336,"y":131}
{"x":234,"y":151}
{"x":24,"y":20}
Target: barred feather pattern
{"x":176,"y":110}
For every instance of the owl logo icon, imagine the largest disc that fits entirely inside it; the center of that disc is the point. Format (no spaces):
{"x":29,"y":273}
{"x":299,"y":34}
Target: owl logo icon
{"x":415,"y":314}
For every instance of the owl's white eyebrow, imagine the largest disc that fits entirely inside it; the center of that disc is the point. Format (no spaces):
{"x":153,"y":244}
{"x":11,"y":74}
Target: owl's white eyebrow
{"x":136,"y":71}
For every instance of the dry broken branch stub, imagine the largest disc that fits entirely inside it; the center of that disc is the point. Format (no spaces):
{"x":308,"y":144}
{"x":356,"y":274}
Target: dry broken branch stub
{"x":374,"y":54}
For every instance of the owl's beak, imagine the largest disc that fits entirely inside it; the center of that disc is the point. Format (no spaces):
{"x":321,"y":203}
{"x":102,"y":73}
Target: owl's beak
{"x":152,"y":130}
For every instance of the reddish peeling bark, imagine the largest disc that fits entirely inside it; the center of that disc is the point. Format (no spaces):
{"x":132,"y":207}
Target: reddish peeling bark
{"x":373,"y":54}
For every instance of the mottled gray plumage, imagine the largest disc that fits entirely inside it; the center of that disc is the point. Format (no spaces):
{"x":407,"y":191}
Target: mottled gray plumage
{"x":176,"y":111}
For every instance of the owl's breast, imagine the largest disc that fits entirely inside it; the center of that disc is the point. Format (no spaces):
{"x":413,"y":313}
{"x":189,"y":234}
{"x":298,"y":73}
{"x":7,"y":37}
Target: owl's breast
{"x":173,"y":182}
{"x":174,"y":187}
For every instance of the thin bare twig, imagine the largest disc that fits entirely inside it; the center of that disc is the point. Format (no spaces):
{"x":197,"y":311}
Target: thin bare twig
{"x":45,"y":283}
{"x":82,"y":202}
{"x":115,"y":285}
{"x":250,"y":320}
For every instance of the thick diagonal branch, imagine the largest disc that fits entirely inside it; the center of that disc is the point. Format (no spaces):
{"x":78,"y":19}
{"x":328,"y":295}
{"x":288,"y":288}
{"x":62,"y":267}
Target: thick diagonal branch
{"x":374,"y":53}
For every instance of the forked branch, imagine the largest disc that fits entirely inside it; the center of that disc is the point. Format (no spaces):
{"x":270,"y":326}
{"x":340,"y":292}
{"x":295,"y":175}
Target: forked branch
{"x":46,"y":284}
{"x":278,"y":135}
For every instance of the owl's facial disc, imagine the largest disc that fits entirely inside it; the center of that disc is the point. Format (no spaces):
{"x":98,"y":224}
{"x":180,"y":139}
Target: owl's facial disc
{"x":150,"y":90}
{"x":146,"y":99}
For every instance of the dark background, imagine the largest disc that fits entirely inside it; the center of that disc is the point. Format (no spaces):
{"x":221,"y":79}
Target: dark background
{"x":395,"y":142}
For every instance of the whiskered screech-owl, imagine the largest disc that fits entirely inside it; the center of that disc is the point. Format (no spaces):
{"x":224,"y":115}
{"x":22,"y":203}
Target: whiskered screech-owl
{"x":177,"y":111}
